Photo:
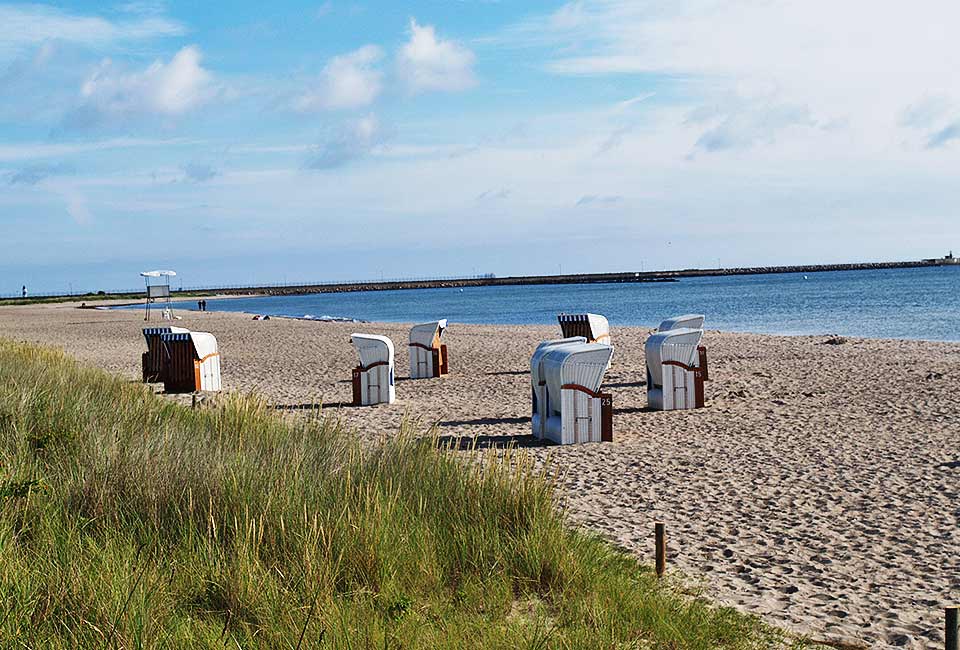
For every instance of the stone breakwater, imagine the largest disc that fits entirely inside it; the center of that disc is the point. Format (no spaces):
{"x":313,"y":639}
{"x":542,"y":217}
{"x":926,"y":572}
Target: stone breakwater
{"x":575,"y":278}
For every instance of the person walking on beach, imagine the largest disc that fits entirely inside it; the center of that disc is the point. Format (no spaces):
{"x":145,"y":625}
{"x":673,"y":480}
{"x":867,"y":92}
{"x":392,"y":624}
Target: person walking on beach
{"x":24,"y":291}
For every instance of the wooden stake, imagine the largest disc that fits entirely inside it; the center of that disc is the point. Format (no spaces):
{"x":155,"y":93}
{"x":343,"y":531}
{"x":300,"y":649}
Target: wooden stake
{"x":951,"y":631}
{"x":661,"y":540}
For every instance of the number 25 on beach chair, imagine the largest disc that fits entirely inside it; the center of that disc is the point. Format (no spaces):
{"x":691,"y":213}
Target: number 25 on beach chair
{"x":373,"y":379}
{"x":428,"y":356}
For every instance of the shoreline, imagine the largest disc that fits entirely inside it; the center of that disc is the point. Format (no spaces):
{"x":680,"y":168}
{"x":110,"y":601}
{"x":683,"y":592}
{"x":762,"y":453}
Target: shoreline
{"x":360,"y":321}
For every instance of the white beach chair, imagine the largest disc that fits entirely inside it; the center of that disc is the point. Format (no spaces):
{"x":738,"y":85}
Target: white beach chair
{"x":373,"y":379}
{"x":428,"y":356}
{"x":592,"y":327}
{"x":567,"y":405}
{"x":689,"y":321}
{"x":192,"y":362}
{"x":674,"y":376}
{"x":153,"y":361}
{"x":694,"y":322}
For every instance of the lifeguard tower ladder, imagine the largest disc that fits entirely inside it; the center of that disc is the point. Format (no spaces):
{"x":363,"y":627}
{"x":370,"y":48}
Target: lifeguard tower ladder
{"x":158,"y":291}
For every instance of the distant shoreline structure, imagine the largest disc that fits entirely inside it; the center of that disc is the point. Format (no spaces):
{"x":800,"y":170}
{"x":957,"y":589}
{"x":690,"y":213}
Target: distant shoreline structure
{"x":493,"y":280}
{"x":577,"y":278}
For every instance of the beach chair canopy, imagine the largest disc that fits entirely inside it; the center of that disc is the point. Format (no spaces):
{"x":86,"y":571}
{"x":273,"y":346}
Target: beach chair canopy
{"x":428,"y":334}
{"x":373,"y":348}
{"x":204,"y":343}
{"x":150,"y":332}
{"x":689,"y":321}
{"x":593,"y":326}
{"x":535,"y":360}
{"x":581,"y":364}
{"x":678,"y":345}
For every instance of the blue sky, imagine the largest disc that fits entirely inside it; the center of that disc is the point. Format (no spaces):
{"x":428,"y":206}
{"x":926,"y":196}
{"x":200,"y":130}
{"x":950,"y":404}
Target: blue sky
{"x":300,"y":141}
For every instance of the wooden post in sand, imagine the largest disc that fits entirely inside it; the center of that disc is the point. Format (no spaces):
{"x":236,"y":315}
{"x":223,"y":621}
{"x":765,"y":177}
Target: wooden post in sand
{"x":951,"y":630}
{"x":661,"y":540}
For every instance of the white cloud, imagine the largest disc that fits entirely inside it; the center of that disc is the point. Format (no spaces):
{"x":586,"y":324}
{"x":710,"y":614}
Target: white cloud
{"x":925,"y":112}
{"x":199,"y":172}
{"x":163,"y":89}
{"x":427,"y":63}
{"x":348,"y":81}
{"x":353,"y":140}
{"x":752,"y":123}
{"x":944,"y":136}
{"x":593,"y":199}
{"x":77,"y":208}
{"x":36,"y":173}
{"x":25,"y":25}
{"x":494,"y":195}
{"x":857,"y":62}
{"x":37,"y":150}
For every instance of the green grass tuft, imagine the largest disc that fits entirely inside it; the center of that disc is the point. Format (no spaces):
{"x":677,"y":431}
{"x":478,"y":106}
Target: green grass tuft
{"x":128,"y":521}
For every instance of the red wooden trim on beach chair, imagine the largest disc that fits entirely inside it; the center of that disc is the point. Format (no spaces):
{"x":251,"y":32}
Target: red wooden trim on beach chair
{"x":702,"y":351}
{"x":582,"y":389}
{"x":680,"y":365}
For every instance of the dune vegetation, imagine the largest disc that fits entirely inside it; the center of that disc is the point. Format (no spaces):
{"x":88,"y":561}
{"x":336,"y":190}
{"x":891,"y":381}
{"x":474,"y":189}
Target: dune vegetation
{"x":129,"y":521}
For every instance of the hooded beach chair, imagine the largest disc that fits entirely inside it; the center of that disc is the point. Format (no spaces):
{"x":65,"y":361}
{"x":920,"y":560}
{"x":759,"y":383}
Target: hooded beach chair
{"x":568,"y":407}
{"x":152,"y":362}
{"x":592,"y":327}
{"x":428,"y":356}
{"x":192,"y":362}
{"x":694,"y":322}
{"x":674,"y":376}
{"x":373,"y":378}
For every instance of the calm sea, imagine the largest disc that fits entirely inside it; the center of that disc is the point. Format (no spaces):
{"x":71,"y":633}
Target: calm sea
{"x":898,"y":303}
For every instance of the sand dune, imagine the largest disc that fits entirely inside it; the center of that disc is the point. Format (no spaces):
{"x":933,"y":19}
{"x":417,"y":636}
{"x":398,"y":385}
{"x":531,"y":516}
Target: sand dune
{"x":819,"y":488}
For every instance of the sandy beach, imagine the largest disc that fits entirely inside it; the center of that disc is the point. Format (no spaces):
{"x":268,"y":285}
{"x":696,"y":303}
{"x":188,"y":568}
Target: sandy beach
{"x":818,"y":488}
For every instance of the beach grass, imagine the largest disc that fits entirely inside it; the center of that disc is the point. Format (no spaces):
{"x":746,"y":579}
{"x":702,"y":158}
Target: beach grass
{"x":131,"y":521}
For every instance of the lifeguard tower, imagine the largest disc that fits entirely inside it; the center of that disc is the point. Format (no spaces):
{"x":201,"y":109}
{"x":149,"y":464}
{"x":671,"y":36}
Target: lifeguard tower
{"x":158,"y":291}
